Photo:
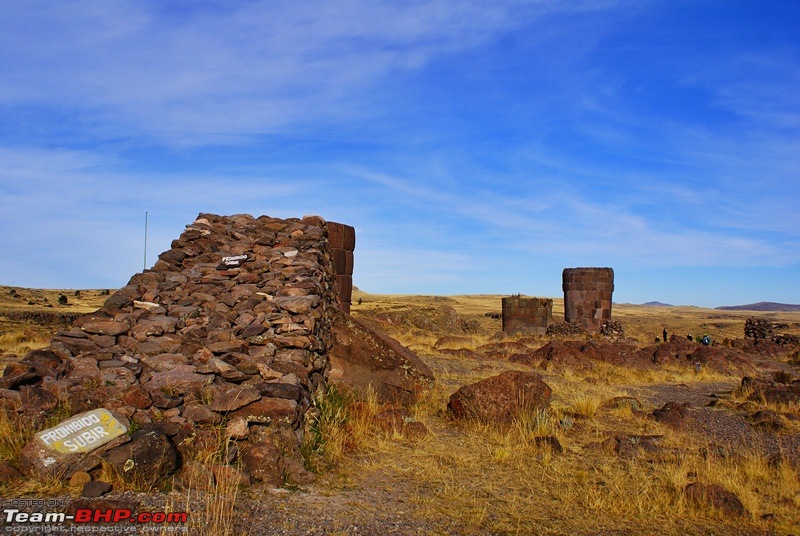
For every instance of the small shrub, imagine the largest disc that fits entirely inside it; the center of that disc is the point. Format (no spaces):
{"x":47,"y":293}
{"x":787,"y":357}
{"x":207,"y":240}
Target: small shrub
{"x":62,"y":300}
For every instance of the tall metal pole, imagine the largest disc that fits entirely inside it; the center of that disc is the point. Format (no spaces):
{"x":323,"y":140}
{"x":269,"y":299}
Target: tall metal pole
{"x":145,"y":241}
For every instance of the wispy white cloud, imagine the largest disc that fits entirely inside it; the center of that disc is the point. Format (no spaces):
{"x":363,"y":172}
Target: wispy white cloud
{"x":548,"y":133}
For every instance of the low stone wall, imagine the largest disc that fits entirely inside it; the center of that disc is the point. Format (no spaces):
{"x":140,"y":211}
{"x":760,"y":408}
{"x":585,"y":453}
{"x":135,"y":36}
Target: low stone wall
{"x":587,"y":296}
{"x":526,"y":315}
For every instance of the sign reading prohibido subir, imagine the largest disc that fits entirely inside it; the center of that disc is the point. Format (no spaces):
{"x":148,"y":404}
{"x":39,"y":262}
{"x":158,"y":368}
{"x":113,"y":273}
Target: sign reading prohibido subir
{"x":82,"y":433}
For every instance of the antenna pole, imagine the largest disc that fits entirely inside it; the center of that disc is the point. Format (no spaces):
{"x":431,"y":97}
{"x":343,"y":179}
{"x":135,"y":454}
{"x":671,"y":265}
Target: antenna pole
{"x":145,"y":241}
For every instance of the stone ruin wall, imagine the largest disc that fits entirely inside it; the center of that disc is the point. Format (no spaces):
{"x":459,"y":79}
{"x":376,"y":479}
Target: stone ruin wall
{"x":342,"y":242}
{"x":587,"y":296}
{"x":231,"y":325}
{"x":526,"y":315}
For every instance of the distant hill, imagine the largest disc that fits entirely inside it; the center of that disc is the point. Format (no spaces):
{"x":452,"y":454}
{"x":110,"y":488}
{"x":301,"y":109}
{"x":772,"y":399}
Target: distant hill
{"x":762,"y":306}
{"x":657,"y":304}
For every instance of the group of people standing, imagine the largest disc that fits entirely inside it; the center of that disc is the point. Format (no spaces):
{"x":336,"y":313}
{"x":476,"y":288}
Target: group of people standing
{"x":704,"y":340}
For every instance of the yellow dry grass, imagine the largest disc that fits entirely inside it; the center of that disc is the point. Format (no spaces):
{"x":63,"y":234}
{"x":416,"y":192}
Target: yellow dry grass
{"x":503,"y":480}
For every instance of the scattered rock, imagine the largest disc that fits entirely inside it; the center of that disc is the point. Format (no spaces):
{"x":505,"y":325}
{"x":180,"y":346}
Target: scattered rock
{"x":771,"y":392}
{"x":95,"y":489}
{"x":549,"y":442}
{"x":767,"y":420}
{"x":672,"y":414}
{"x":149,"y":456}
{"x":715,"y":496}
{"x":362,"y":357}
{"x":8,"y":472}
{"x":79,"y":479}
{"x":500,"y":399}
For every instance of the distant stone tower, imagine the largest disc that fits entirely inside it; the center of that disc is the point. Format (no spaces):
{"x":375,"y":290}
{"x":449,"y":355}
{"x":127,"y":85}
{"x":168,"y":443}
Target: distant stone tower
{"x":587,"y":296}
{"x":527,"y":315}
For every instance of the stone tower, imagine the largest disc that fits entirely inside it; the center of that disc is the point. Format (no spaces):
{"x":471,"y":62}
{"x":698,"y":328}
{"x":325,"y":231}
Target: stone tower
{"x":587,"y":296}
{"x":526,"y":315}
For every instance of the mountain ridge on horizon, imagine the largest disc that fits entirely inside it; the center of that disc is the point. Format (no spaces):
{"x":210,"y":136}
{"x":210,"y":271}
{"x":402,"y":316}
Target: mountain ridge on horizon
{"x":762,"y":306}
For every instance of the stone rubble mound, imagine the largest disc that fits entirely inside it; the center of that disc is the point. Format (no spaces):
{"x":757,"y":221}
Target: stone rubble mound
{"x":758,"y":328}
{"x":566,"y":329}
{"x":231,"y":325}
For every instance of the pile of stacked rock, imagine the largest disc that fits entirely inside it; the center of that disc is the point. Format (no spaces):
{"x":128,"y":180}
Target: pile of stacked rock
{"x":231,"y":327}
{"x":612,"y":328}
{"x":562,"y":329}
{"x":758,"y":328}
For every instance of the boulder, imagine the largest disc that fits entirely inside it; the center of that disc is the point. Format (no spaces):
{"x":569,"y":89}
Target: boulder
{"x":672,"y":414}
{"x":263,"y":461}
{"x":149,"y":456}
{"x":362,"y":357}
{"x":771,"y":392}
{"x":715,"y":496}
{"x":8,"y":472}
{"x":500,"y":399}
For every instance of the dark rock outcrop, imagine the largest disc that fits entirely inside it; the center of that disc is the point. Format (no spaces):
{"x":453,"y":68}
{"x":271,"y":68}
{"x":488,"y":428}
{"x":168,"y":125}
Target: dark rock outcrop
{"x":502,"y":398}
{"x":362,"y":357}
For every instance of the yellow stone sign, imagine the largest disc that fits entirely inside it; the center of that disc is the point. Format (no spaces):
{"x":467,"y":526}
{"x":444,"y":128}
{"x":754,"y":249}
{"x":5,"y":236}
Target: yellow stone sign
{"x":82,"y":433}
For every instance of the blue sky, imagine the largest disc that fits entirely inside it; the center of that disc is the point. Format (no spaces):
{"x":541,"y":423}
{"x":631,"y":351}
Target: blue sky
{"x":478,"y":146}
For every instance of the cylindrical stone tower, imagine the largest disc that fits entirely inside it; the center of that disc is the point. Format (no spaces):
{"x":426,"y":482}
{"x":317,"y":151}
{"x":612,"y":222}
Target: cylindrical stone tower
{"x":526,"y":315}
{"x":342,"y":241}
{"x":587,"y":296}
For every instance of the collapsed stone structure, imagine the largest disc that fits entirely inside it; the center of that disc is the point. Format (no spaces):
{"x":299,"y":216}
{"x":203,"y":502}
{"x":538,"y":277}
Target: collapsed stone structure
{"x":587,"y":296}
{"x":758,"y":328}
{"x":231,"y":326}
{"x":526,"y":315}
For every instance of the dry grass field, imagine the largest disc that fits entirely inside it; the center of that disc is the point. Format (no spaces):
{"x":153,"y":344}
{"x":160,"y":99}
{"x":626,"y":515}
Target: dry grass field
{"x":472,"y":478}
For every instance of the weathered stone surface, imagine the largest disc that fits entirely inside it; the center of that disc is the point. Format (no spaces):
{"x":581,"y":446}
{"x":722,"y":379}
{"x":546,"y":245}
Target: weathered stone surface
{"x":164,"y":362}
{"x":108,"y":327}
{"x":362,"y":357}
{"x":770,"y":391}
{"x":237,"y":428}
{"x":263,"y":461}
{"x":201,"y":414}
{"x":95,"y":489}
{"x":672,"y":414}
{"x":149,"y":456}
{"x":235,"y":399}
{"x":79,"y":479}
{"x":715,"y":496}
{"x":500,"y":399}
{"x":8,"y":472}
{"x":269,"y":411}
{"x":181,"y":379}
{"x":136,"y":397}
{"x":38,"y":460}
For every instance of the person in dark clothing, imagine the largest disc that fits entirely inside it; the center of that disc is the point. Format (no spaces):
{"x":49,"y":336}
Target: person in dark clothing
{"x":665,"y":334}
{"x":706,"y":340}
{"x":689,"y":336}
